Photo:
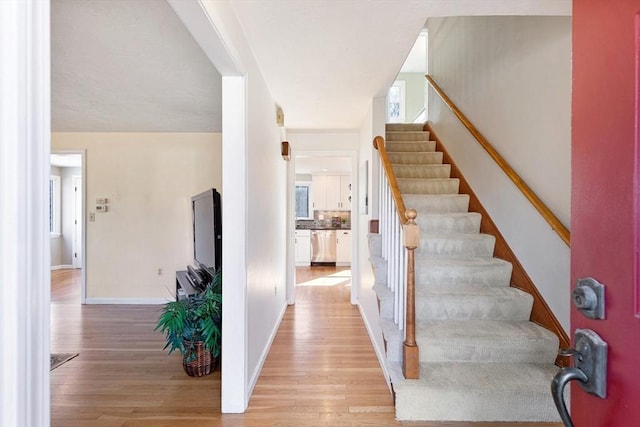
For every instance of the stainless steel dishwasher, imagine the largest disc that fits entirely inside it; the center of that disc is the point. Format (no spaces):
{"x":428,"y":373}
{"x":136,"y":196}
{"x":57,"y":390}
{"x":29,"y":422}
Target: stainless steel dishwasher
{"x":323,"y":247}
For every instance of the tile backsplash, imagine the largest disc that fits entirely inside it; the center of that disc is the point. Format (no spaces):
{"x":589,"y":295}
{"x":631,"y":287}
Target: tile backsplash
{"x":340,"y":219}
{"x":333,"y":218}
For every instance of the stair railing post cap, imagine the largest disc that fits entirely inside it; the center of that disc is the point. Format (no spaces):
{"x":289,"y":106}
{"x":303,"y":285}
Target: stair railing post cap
{"x":411,"y":230}
{"x":411,"y":214}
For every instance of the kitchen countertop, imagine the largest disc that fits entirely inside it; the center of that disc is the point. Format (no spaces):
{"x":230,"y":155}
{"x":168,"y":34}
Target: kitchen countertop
{"x":317,"y":227}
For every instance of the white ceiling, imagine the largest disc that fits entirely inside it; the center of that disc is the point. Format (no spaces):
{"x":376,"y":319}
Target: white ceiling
{"x":324,"y":60}
{"x":130,"y":65}
{"x":315,"y":165}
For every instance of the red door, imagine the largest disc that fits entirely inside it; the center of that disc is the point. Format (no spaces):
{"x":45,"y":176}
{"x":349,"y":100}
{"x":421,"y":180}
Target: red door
{"x":605,"y":225}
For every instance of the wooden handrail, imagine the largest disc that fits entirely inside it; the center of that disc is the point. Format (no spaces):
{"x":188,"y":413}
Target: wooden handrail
{"x":533,"y":198}
{"x":378,"y":143}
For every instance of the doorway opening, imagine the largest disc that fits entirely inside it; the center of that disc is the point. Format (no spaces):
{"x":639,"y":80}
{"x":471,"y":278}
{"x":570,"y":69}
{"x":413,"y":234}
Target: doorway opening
{"x":323,"y":215}
{"x":67,"y":224}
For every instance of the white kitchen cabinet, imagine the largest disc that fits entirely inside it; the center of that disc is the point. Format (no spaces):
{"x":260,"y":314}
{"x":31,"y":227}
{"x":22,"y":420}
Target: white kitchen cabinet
{"x":331,"y":192}
{"x":319,"y":192}
{"x":343,"y":247}
{"x":303,"y":247}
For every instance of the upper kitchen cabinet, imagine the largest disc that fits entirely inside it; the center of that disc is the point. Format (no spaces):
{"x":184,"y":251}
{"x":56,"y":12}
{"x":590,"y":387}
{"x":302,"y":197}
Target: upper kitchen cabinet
{"x":331,"y":192}
{"x":319,"y":192}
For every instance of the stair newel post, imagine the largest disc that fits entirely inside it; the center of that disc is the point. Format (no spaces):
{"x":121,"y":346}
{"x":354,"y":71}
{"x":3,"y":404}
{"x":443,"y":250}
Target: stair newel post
{"x":410,"y":354}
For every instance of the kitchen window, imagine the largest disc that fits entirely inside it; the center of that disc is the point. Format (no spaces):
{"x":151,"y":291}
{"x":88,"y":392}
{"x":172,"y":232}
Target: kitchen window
{"x":303,"y":200}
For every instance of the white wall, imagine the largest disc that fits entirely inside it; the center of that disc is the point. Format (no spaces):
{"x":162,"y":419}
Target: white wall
{"x":322,"y":140}
{"x":368,"y":303}
{"x":511,"y":76}
{"x":149,"y":179}
{"x":255,"y":174}
{"x":266,"y":224}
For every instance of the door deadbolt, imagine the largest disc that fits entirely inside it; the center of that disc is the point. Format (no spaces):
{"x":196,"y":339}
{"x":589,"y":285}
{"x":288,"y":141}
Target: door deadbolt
{"x":588,"y":297}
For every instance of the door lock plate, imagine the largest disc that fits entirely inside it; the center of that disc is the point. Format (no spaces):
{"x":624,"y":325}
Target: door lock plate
{"x":588,"y":297}
{"x":591,"y":358}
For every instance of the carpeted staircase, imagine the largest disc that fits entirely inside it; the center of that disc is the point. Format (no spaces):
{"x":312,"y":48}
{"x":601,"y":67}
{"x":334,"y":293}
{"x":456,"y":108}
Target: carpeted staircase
{"x":481,"y":359}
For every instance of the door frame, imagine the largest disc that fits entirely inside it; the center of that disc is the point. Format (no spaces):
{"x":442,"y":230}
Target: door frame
{"x":25,"y":130}
{"x":76,"y":261}
{"x":291,"y":219}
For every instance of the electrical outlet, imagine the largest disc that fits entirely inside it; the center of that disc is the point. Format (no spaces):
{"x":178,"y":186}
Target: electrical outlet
{"x":92,"y":217}
{"x":160,"y":272}
{"x":275,"y":289}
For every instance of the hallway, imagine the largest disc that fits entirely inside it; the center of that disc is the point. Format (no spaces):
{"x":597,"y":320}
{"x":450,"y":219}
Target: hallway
{"x":321,"y":369}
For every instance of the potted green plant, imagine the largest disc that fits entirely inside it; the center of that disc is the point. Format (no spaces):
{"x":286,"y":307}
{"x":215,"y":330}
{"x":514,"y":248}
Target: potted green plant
{"x":193,"y":327}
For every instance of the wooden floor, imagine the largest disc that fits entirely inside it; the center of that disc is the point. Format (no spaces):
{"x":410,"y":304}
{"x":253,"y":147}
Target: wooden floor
{"x":321,"y":370}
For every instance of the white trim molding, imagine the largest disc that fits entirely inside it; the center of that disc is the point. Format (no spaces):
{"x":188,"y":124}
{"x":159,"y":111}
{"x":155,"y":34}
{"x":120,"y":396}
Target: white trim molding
{"x":128,"y":301}
{"x":24,"y":211}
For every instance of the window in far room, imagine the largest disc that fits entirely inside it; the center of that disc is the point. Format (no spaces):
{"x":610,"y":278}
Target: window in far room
{"x":54,"y":205}
{"x":396,"y":101}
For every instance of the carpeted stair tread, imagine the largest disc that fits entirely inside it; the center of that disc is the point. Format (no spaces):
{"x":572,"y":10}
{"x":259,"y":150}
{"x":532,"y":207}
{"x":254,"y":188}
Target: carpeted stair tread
{"x":486,"y":341}
{"x":422,"y":171}
{"x":476,"y":392}
{"x":407,"y":136}
{"x":421,"y":158}
{"x":459,"y":245}
{"x":404,"y":127}
{"x":386,"y":300}
{"x":490,"y":341}
{"x":449,"y":223}
{"x":375,"y":244}
{"x":437,"y":203}
{"x":445,"y":271}
{"x":379,"y":265}
{"x":464,"y":302}
{"x":410,"y":146}
{"x":512,"y":306}
{"x":428,"y":186}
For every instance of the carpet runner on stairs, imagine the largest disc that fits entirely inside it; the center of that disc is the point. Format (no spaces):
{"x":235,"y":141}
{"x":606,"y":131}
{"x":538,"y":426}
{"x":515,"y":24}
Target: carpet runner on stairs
{"x":481,"y":359}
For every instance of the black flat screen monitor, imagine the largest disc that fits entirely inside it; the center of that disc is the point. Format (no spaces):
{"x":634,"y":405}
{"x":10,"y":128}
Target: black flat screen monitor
{"x":207,"y":231}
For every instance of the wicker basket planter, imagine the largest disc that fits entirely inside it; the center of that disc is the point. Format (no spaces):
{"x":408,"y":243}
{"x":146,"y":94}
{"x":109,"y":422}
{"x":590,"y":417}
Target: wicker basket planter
{"x":202,"y":361}
{"x":193,"y":326}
